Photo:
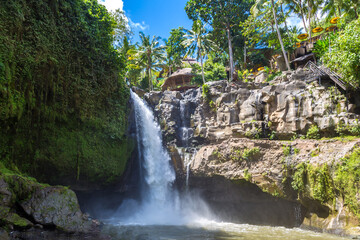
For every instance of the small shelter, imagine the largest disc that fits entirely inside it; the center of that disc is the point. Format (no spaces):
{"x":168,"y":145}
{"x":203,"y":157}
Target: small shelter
{"x":179,"y":80}
{"x":190,"y":61}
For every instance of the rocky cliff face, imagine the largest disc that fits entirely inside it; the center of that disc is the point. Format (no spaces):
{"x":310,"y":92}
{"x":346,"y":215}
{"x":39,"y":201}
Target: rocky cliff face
{"x":225,"y":133}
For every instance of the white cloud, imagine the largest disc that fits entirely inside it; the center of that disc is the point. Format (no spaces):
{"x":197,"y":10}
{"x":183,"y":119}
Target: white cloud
{"x":138,"y":26}
{"x":112,"y":5}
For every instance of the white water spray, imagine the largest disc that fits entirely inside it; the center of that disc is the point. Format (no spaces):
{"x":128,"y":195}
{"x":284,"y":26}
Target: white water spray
{"x":160,"y":203}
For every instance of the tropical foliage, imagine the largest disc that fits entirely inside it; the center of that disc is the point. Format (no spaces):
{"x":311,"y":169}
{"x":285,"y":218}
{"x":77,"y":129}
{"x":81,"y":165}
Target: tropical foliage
{"x":62,"y":95}
{"x":197,"y":41}
{"x":344,"y":56}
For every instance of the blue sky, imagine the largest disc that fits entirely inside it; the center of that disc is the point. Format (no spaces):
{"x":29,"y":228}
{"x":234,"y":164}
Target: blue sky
{"x":153,"y":17}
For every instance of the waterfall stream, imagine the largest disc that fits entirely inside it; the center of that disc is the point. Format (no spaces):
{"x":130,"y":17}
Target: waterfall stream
{"x":160,"y":203}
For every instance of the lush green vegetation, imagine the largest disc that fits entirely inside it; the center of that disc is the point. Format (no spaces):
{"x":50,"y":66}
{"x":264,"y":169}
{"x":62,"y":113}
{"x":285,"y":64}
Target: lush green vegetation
{"x":315,"y":182}
{"x":325,"y":182}
{"x":347,"y":180}
{"x":245,"y":38}
{"x":344,"y":56}
{"x":62,"y":96}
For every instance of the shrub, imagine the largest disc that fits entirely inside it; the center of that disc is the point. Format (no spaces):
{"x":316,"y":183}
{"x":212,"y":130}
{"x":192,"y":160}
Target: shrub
{"x":344,"y":56}
{"x":246,"y":154}
{"x":249,"y":153}
{"x":313,"y":132}
{"x":286,"y":150}
{"x":214,"y":71}
{"x":254,"y":133}
{"x":205,"y":92}
{"x":247,"y":175}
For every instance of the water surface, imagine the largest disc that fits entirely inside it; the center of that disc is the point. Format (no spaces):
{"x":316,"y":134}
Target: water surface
{"x":212,"y":230}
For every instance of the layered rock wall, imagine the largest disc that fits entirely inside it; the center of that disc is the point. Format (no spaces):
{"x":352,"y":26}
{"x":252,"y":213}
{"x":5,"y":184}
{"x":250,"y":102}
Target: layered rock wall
{"x":225,"y":133}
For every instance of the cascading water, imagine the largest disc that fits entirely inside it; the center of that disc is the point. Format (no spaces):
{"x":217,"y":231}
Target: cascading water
{"x":160,"y":202}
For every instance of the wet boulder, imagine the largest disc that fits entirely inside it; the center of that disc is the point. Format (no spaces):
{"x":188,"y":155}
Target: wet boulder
{"x":57,"y":206}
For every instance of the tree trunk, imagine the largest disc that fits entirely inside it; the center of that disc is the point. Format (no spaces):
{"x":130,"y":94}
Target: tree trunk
{"x":303,"y":18}
{"x":244,"y":55}
{"x":279,"y":35}
{"x":231,"y":57}
{"x":356,"y":14}
{"x":202,"y":68}
{"x":309,"y":9}
{"x":150,"y":80}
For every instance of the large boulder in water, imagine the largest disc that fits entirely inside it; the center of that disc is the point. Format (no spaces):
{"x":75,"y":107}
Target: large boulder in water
{"x":57,"y":206}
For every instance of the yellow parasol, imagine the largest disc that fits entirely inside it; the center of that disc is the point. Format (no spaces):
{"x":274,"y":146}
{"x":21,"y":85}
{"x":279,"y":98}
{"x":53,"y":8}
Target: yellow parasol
{"x":261,"y":69}
{"x":303,"y":36}
{"x":334,"y":20}
{"x":317,"y":30}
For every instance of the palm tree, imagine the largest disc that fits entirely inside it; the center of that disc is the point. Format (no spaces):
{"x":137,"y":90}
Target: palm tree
{"x":197,"y":40}
{"x":298,"y":7}
{"x":255,"y":11}
{"x":149,"y":55}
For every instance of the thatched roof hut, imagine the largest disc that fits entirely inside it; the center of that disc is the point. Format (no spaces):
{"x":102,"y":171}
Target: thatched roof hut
{"x":179,"y":80}
{"x":190,"y":61}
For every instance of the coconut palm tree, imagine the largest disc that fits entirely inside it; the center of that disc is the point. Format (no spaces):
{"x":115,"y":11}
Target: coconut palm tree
{"x":299,"y":8}
{"x":197,"y":41}
{"x":149,"y":55}
{"x":255,"y":11}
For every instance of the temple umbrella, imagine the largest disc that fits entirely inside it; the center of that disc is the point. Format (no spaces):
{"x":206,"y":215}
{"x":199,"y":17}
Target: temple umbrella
{"x":317,"y":30}
{"x":303,"y":36}
{"x":334,"y":20}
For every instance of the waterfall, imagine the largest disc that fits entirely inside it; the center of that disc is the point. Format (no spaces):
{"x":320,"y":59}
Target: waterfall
{"x":160,"y":203}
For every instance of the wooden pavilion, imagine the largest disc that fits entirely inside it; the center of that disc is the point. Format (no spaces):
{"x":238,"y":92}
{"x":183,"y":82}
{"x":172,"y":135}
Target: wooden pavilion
{"x":179,"y":80}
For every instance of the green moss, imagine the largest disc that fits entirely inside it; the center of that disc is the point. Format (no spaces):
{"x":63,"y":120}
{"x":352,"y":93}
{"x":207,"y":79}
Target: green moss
{"x":347,"y":180}
{"x":342,"y":138}
{"x":314,"y":182}
{"x":18,"y":221}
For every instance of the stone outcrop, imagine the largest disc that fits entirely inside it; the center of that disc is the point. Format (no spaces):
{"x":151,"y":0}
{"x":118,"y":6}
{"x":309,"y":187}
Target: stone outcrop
{"x":26,"y":203}
{"x":268,"y":168}
{"x":225,"y":133}
{"x":290,"y":105}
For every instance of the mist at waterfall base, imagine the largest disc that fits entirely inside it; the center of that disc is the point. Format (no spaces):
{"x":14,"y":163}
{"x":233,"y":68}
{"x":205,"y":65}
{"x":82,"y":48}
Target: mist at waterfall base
{"x":160,"y":203}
